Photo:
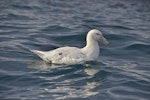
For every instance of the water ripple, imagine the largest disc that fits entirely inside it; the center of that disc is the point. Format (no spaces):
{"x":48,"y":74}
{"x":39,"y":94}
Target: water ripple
{"x":121,"y":72}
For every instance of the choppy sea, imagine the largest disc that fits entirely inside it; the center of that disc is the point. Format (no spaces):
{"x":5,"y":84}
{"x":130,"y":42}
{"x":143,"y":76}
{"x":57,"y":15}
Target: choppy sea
{"x":122,"y":71}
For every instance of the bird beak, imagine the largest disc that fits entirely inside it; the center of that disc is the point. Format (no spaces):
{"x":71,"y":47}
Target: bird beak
{"x":104,"y":40}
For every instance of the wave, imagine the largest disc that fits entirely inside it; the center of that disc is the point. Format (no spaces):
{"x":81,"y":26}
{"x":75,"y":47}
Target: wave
{"x":138,"y":46}
{"x":25,"y":7}
{"x":55,"y":28}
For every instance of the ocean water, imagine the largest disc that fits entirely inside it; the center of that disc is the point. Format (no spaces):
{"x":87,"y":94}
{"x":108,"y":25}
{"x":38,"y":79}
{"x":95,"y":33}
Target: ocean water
{"x":122,"y":71}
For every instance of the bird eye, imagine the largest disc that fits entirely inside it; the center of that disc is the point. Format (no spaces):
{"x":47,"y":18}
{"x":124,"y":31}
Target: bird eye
{"x":97,"y":33}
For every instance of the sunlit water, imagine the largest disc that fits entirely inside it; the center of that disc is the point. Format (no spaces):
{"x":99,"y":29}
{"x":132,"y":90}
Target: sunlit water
{"x":122,"y":71}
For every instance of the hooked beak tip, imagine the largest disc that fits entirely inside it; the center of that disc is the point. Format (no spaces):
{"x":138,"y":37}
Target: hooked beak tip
{"x":107,"y":43}
{"x":104,"y":41}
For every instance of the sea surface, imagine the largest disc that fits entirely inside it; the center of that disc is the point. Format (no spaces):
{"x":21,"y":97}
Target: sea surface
{"x":122,"y":71}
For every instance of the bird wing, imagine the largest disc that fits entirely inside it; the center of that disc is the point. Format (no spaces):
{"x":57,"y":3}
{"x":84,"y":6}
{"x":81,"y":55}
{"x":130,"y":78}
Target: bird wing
{"x":66,"y":55}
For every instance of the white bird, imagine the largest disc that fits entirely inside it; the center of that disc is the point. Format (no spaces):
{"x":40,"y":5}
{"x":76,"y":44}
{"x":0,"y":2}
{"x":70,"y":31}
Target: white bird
{"x":74,"y":55}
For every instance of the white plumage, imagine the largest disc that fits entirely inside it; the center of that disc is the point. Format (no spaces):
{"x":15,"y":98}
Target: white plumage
{"x":74,"y":55}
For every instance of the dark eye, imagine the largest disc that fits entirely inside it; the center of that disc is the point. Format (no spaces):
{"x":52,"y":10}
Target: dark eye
{"x":97,"y":33}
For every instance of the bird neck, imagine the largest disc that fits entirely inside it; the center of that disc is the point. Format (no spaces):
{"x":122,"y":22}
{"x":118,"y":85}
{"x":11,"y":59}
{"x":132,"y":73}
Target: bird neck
{"x":91,"y":48}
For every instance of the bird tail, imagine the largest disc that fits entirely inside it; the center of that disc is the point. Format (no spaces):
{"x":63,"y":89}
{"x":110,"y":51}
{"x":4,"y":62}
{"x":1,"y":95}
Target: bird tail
{"x":39,"y":53}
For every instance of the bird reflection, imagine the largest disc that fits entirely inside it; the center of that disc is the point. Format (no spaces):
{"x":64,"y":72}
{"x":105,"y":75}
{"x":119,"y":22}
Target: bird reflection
{"x":91,"y":70}
{"x":41,"y":65}
{"x":78,"y":87}
{"x":83,"y":91}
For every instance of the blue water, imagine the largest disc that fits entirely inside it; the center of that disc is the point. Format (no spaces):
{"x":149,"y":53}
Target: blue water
{"x":122,"y":71}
